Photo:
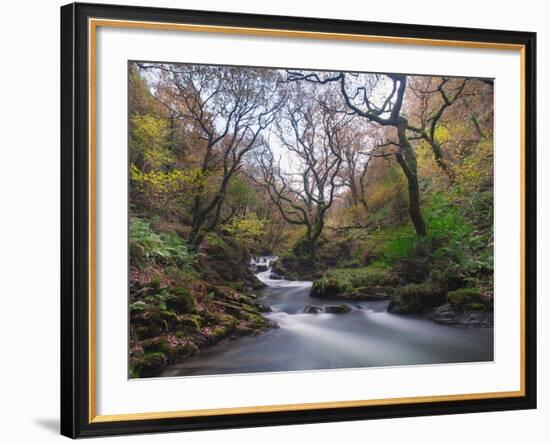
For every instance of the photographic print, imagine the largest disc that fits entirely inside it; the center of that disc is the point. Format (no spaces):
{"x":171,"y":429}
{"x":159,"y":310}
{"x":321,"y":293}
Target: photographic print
{"x":272,"y":220}
{"x":287,"y":219}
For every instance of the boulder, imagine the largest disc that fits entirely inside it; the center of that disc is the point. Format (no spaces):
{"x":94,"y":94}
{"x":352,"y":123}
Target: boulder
{"x":416,"y":298}
{"x":313,"y":309}
{"x":447,"y":314}
{"x":316,"y":309}
{"x":264,"y":308}
{"x":340,"y":308}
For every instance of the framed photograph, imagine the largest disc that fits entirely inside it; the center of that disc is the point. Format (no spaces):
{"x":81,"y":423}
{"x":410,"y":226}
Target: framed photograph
{"x":275,"y":220}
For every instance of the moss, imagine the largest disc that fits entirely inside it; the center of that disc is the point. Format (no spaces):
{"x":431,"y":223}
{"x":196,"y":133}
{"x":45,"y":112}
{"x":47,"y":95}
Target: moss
{"x":250,"y":308}
{"x":467,"y":299}
{"x":156,"y":318}
{"x":256,"y":321}
{"x":134,"y":373}
{"x":416,"y":298}
{"x":157,"y":345}
{"x":220,"y":331}
{"x":208,"y":318}
{"x":192,"y":322}
{"x":462,"y":297}
{"x":234,"y":310}
{"x":141,"y":331}
{"x":346,"y":281}
{"x":137,"y":307}
{"x":226,"y":320}
{"x":239,"y":286}
{"x":148,"y":364}
{"x":243,"y":330}
{"x":181,"y":301}
{"x":476,"y":306}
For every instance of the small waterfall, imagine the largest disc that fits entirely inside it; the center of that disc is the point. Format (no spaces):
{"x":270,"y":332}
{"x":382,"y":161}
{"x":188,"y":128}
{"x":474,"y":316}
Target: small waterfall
{"x":262,"y":267}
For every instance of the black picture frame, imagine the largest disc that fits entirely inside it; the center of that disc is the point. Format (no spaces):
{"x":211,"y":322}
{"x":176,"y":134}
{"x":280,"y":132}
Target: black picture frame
{"x":75,"y":221}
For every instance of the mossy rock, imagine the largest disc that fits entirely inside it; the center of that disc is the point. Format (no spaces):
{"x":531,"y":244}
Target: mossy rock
{"x":190,"y":322}
{"x":220,"y":332}
{"x":148,"y":364}
{"x":378,"y":293}
{"x":226,"y":320}
{"x":467,"y":299}
{"x":186,"y":348}
{"x":137,"y":307}
{"x":250,"y":308}
{"x":243,"y":330}
{"x":256,"y":321}
{"x":416,"y":298}
{"x":208,"y":318}
{"x":476,"y":306}
{"x":338,"y":309}
{"x":326,"y":288}
{"x":342,"y":283}
{"x":156,"y":319}
{"x":231,"y":308}
{"x":238,"y":286}
{"x":141,"y":331}
{"x":159,"y":345}
{"x":181,"y":301}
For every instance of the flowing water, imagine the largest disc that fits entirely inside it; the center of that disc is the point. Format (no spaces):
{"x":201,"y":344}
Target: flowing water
{"x":367,"y":336}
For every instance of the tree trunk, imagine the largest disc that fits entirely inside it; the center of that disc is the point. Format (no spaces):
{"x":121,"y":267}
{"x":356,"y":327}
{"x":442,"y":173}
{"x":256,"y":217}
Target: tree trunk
{"x":407,"y":160}
{"x":196,"y":235}
{"x":438,"y":156}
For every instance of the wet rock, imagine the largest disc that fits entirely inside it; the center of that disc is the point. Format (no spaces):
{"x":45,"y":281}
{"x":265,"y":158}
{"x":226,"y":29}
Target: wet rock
{"x":448,"y":315}
{"x":329,"y":290}
{"x":275,"y":276}
{"x":375,"y":297}
{"x":416,"y":298}
{"x":264,"y":308}
{"x":340,"y":308}
{"x":150,"y":364}
{"x":313,"y":309}
{"x":468,"y":299}
{"x":272,"y":324}
{"x":378,"y":293}
{"x":261,"y":268}
{"x":317,"y":309}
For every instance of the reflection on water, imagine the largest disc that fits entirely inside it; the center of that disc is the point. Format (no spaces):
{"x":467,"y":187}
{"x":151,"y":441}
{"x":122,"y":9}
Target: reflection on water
{"x":367,"y":336}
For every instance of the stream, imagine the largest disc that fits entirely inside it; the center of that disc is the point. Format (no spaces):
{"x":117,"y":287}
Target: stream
{"x":367,"y":336}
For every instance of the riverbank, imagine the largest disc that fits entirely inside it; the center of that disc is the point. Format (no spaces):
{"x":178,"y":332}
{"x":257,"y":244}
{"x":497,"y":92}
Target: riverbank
{"x":184,"y":324}
{"x":175,"y":327}
{"x":466,"y":307}
{"x":178,"y":310}
{"x":311,"y":336}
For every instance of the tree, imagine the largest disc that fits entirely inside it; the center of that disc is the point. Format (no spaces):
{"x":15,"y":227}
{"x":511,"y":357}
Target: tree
{"x":229,"y":107}
{"x":312,"y":135}
{"x":434,"y":101}
{"x":359,"y":147}
{"x":379,"y":99}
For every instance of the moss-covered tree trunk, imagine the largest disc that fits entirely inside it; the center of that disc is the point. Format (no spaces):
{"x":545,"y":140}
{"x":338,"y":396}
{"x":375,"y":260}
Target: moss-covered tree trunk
{"x":407,"y":160}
